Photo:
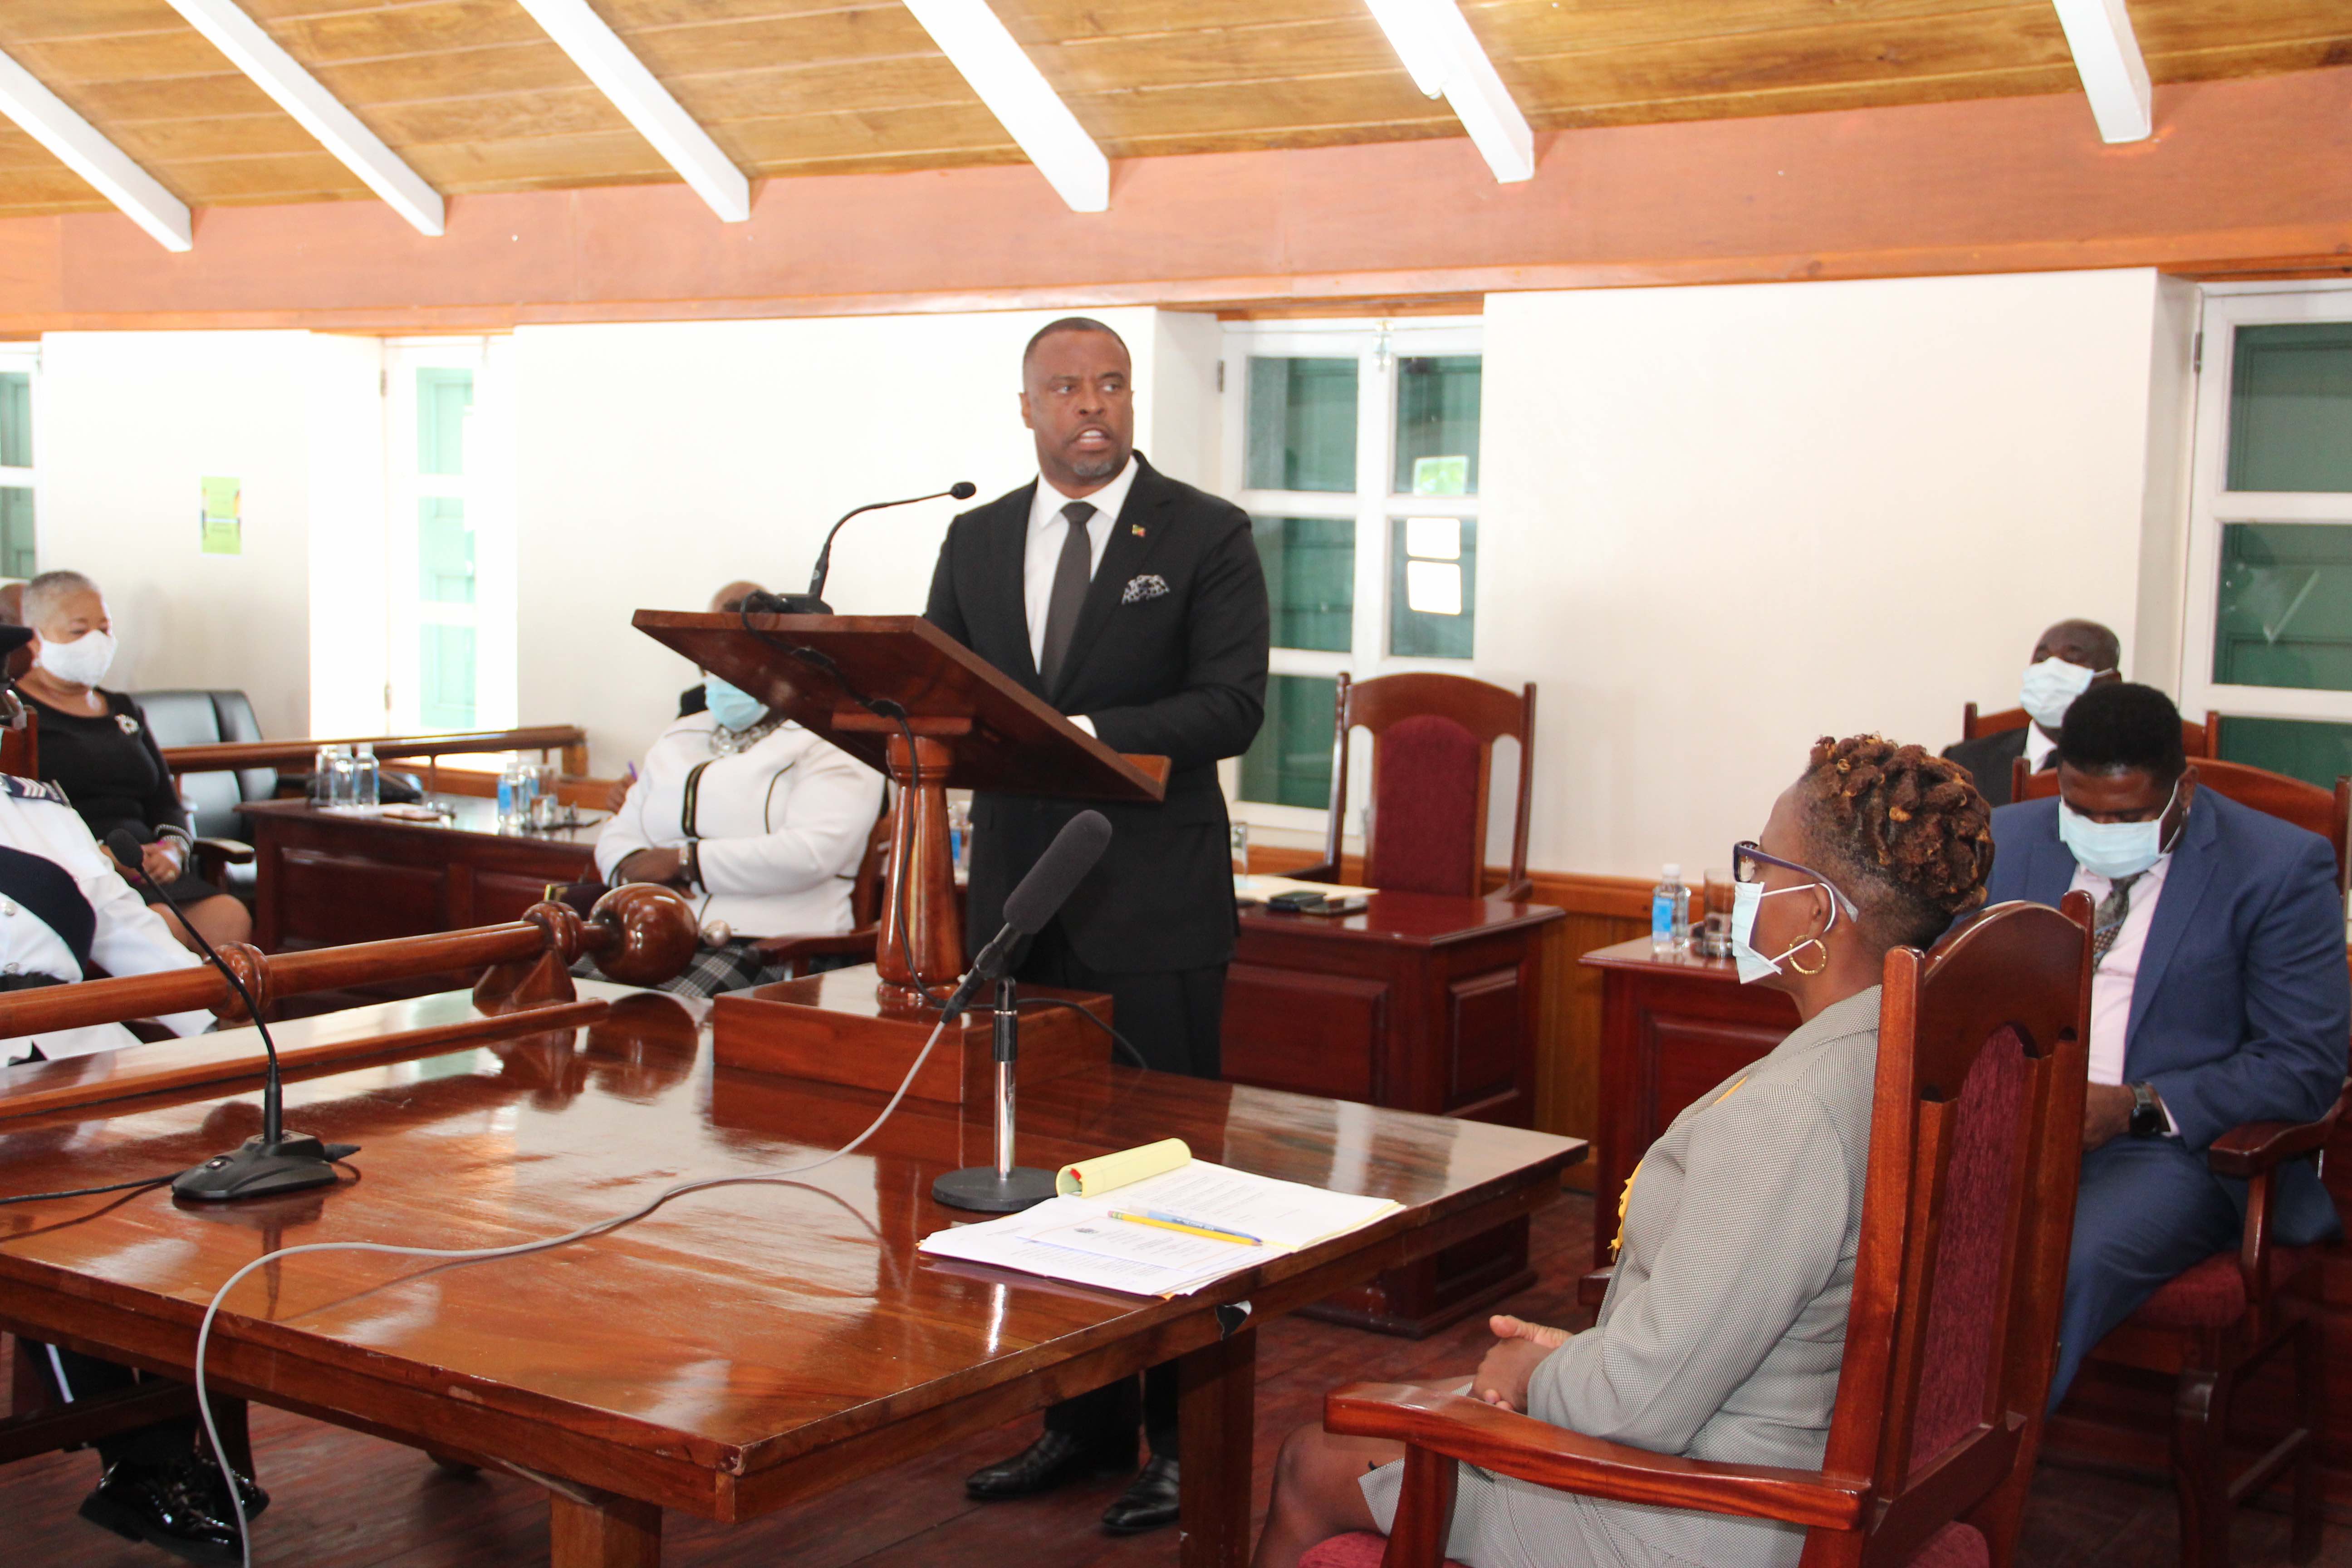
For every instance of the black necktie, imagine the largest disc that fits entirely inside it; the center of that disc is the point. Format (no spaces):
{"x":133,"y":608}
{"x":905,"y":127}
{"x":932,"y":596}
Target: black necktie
{"x":1071,"y":575}
{"x":2107,"y":921}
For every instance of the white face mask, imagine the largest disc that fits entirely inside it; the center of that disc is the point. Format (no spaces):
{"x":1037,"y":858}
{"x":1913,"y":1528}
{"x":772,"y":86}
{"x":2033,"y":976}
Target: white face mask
{"x":1744,"y":898}
{"x":2113,"y":849}
{"x":2050,"y":688}
{"x":81,"y":662}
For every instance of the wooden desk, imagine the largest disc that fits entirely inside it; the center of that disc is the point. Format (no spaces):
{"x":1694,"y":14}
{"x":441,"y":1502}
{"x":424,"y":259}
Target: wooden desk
{"x":740,"y":1349}
{"x":1671,"y":1029}
{"x":1422,"y":1003}
{"x":325,"y":880}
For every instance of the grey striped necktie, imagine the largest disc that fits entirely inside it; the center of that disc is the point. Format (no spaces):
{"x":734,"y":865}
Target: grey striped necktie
{"x":1071,"y":575}
{"x":2108,"y":923}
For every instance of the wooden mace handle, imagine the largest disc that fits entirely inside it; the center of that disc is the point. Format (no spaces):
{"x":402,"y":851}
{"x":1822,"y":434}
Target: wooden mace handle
{"x":640,"y":934}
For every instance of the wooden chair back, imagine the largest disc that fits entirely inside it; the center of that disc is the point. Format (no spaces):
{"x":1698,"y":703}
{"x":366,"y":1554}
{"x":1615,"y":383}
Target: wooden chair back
{"x":1433,"y":772}
{"x":2197,"y":740}
{"x":2308,"y":807}
{"x":1968,"y":1212}
{"x":20,"y":745}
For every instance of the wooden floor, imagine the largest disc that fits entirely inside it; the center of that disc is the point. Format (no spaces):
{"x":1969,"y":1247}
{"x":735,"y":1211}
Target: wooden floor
{"x":347,"y":1502}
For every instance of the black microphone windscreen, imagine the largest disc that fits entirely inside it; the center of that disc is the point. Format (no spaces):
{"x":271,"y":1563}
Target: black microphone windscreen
{"x":963,"y":489}
{"x":1058,"y":872}
{"x":125,"y":847}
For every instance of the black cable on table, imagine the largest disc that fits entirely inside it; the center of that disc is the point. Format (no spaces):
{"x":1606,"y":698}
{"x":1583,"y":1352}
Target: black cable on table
{"x":92,"y":1191}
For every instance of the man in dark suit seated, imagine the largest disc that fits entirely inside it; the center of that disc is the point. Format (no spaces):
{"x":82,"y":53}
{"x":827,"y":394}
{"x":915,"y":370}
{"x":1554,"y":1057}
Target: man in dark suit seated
{"x":2069,"y":659}
{"x":2220,"y":998}
{"x":1135,"y":604}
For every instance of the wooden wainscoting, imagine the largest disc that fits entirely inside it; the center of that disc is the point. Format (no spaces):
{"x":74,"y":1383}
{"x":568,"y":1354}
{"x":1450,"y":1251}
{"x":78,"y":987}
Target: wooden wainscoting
{"x":1600,"y":910}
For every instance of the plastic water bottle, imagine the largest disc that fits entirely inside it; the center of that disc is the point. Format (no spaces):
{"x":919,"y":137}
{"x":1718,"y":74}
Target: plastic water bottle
{"x":367,"y":777}
{"x":1669,"y":914}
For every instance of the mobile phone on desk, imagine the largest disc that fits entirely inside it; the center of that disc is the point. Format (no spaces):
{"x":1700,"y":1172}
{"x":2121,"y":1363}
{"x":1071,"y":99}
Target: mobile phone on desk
{"x":1297,"y":902}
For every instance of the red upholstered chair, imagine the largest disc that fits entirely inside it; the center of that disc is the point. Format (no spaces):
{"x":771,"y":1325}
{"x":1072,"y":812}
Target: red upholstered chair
{"x":1432,"y":766}
{"x":1967,"y":1209}
{"x":2214,"y":1323}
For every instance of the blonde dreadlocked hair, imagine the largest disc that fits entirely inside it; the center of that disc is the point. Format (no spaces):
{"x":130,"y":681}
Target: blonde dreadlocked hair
{"x":1907,"y":834}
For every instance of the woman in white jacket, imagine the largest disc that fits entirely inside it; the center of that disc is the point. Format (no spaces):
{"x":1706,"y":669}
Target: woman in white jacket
{"x":757,"y":821}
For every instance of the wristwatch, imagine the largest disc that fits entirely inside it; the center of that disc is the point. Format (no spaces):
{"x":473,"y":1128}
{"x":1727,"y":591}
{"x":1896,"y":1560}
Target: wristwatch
{"x":2147,"y":1114}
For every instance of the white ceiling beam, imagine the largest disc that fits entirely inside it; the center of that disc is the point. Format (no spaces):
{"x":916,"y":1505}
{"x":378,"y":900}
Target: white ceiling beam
{"x":1022,"y":101}
{"x":2114,"y":73}
{"x":1434,"y":41}
{"x":319,"y":112}
{"x":623,"y":77}
{"x":43,"y":115}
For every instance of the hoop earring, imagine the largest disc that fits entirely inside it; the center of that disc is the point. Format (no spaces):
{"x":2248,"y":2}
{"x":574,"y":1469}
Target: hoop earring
{"x":1810,"y":942}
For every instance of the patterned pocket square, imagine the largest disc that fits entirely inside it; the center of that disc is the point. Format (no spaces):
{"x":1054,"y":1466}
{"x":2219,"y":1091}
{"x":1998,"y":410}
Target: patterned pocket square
{"x":1150,"y":586}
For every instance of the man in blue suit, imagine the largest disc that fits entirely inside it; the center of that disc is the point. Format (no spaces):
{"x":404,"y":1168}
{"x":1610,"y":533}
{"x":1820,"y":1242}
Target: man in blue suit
{"x":2221,"y":997}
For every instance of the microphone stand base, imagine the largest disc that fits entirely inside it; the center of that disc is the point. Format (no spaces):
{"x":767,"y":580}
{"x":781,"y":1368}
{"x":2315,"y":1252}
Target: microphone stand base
{"x":257,"y":1169}
{"x":978,"y":1188}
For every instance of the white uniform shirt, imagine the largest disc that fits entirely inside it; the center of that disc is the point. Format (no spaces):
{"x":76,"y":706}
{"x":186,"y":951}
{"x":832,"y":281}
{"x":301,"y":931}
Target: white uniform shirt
{"x":782,"y":825}
{"x":131,"y":938}
{"x":2038,"y":747}
{"x":1041,"y":557}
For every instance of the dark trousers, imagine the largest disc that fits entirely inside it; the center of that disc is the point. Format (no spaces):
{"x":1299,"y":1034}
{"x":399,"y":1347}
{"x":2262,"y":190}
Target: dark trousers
{"x":1174,"y":1018}
{"x":72,"y":1375}
{"x":2147,"y":1209}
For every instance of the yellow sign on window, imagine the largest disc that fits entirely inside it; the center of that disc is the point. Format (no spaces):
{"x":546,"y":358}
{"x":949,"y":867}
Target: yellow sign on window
{"x":221,"y":523}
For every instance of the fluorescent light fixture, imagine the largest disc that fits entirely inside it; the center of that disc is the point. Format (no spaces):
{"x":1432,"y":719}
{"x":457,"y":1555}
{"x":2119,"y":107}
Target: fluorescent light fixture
{"x":1018,"y":94}
{"x":2107,"y":58}
{"x":43,"y":116}
{"x":623,"y":77}
{"x":1433,"y":538}
{"x":1432,"y":587}
{"x":1435,"y":43}
{"x":319,"y":112}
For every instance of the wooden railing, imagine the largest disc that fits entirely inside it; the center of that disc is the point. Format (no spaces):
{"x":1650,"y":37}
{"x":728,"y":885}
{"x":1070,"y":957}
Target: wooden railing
{"x":299,"y":756}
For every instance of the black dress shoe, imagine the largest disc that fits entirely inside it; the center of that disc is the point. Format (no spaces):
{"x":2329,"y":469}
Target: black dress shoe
{"x":1051,"y":1461}
{"x":181,"y":1507}
{"x":1149,"y":1501}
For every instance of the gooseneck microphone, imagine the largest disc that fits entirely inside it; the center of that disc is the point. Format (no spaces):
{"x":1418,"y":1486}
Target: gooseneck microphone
{"x":1040,"y":893}
{"x":271,"y":1161}
{"x":1005,"y":1187}
{"x":813,"y":601}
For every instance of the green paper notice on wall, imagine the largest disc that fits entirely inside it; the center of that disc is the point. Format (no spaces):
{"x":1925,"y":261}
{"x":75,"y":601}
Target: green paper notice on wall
{"x":222,"y":517}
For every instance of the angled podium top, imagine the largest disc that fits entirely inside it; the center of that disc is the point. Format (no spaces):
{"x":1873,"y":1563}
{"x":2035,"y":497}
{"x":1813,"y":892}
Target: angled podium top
{"x":1003,"y":738}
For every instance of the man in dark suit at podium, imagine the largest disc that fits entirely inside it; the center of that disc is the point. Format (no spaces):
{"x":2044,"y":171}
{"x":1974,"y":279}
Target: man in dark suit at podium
{"x":1134,"y":604}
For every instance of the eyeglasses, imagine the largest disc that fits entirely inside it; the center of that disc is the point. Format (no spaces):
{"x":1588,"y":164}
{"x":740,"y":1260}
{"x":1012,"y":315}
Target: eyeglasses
{"x":1747,"y":863}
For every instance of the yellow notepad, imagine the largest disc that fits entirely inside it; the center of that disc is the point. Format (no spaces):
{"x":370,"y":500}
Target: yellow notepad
{"x":1106,"y":1172}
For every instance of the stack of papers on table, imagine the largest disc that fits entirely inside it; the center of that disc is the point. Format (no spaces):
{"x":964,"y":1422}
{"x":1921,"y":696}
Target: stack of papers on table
{"x":1256,"y":888}
{"x":1193,"y":1223}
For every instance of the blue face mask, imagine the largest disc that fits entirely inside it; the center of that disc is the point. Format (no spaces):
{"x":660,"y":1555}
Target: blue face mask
{"x":2113,"y":849}
{"x":734,"y":708}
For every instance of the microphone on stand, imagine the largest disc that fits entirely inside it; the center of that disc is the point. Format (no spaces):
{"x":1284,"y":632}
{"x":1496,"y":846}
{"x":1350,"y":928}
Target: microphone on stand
{"x":1005,"y":1188}
{"x":813,"y":601}
{"x":271,"y":1161}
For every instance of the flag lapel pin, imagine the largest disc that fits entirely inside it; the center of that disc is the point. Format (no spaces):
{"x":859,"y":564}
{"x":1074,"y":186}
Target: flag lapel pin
{"x":1137,"y":529}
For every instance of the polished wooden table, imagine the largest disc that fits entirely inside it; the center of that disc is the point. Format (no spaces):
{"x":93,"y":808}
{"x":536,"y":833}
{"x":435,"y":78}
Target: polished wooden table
{"x":1425,"y":1001}
{"x":740,"y":1349}
{"x":322,"y":879}
{"x":1671,"y":1029}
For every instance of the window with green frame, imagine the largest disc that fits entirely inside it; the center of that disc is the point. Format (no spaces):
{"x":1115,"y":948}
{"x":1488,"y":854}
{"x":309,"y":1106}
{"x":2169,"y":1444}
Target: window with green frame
{"x":1311,"y":580}
{"x":19,"y":554}
{"x":2315,"y":752}
{"x":2291,"y":407}
{"x":1302,"y":423}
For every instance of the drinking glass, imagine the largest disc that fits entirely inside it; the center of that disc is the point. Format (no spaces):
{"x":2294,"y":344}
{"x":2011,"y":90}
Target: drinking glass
{"x":1718,"y":892}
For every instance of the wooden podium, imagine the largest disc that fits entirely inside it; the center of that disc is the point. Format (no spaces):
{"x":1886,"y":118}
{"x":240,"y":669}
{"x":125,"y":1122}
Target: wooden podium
{"x":946,"y":718}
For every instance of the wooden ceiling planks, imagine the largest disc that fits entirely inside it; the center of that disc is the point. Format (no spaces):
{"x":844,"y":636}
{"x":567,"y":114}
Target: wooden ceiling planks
{"x":479,"y":99}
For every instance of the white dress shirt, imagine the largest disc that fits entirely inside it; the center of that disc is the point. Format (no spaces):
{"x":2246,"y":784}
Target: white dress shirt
{"x":1048,"y":531}
{"x":782,"y":825}
{"x":130,"y":938}
{"x":2111,"y":982}
{"x":2038,"y":747}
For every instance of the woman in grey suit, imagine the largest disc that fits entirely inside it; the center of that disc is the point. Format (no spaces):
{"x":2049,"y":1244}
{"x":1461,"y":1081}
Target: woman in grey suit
{"x":1725,"y":1323}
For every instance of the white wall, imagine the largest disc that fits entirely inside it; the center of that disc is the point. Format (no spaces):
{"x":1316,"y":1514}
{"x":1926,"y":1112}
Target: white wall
{"x":130,"y":422}
{"x":1720,"y":523}
{"x":656,"y":462}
